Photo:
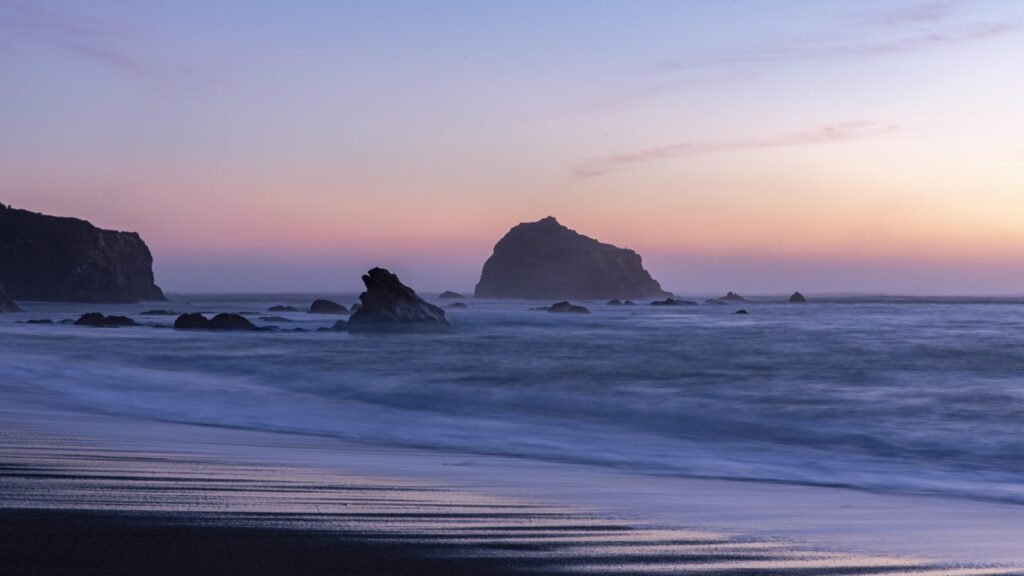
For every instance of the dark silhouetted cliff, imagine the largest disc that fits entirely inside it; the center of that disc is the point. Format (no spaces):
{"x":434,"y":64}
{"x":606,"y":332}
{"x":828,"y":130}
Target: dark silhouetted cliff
{"x":545,"y":260}
{"x":69,"y":260}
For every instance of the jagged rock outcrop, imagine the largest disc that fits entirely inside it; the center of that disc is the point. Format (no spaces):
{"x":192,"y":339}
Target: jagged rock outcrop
{"x":58,"y":259}
{"x":321,"y":306}
{"x":797,"y":298}
{"x":388,"y":303}
{"x":97,"y":319}
{"x":7,"y":304}
{"x":449,"y":295}
{"x":223,"y":321}
{"x":545,"y":260}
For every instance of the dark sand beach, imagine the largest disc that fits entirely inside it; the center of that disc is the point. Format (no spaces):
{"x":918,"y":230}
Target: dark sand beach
{"x":81,"y":504}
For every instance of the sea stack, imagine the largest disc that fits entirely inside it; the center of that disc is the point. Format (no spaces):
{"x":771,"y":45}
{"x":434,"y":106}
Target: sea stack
{"x":546,"y":260}
{"x":56,"y":259}
{"x":797,"y":298}
{"x":387,"y":303}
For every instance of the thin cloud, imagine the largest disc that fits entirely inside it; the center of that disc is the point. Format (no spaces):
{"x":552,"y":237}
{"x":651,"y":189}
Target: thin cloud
{"x":822,"y":50}
{"x":102,"y":42}
{"x":924,"y":13}
{"x":833,"y":133}
{"x":906,"y":29}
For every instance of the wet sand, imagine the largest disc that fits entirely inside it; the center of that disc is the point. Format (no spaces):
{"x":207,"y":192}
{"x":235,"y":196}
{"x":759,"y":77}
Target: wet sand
{"x":81,"y":504}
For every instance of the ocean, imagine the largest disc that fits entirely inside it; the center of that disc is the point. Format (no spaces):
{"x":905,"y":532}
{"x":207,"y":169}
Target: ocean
{"x":898,"y":395}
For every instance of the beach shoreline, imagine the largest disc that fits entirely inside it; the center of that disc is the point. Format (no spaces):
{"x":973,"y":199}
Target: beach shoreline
{"x":93,"y":482}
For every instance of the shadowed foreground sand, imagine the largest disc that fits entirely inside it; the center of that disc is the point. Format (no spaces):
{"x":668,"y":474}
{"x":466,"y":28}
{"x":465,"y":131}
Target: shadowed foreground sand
{"x":68,"y":506}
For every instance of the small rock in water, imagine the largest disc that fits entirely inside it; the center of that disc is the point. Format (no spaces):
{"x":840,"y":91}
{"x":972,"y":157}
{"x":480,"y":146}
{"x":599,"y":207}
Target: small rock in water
{"x":43,"y":321}
{"x":449,"y":295}
{"x":741,"y":311}
{"x":797,"y":298}
{"x":458,"y":305}
{"x":218,"y":322}
{"x":97,"y":319}
{"x":8,"y":305}
{"x":566,"y":307}
{"x":274,"y":319}
{"x":159,"y":313}
{"x":322,"y":306}
{"x":614,"y":302}
{"x":673,"y":302}
{"x":281,"y":308}
{"x":629,"y":303}
{"x":732,"y":297}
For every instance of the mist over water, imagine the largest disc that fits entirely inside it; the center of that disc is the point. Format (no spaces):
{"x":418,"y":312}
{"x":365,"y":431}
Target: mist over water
{"x":893,"y":395}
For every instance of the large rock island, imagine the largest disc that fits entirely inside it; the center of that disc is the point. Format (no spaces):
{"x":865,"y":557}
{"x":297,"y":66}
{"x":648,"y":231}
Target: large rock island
{"x":58,"y":259}
{"x":545,"y":260}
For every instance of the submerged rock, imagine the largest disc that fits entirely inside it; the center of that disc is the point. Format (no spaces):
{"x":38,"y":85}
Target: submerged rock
{"x":458,"y":305}
{"x":322,"y":306}
{"x":797,"y":298}
{"x":58,"y":259}
{"x":545,"y":260}
{"x":389,"y":303}
{"x":449,"y":295}
{"x":97,"y":319}
{"x":218,"y":322}
{"x":39,"y":321}
{"x":280,"y":308}
{"x":275,"y":319}
{"x":614,"y":302}
{"x":741,"y":311}
{"x":673,"y":302}
{"x":629,"y":303}
{"x":7,"y":305}
{"x":565,"y":307}
{"x":159,"y":312}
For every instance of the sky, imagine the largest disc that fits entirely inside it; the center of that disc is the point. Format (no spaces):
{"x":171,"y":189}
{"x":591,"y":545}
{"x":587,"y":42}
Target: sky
{"x":760,"y":146}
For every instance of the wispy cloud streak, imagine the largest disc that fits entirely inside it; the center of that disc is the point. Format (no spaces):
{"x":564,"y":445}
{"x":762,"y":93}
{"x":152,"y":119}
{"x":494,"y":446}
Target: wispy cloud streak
{"x":833,"y":133}
{"x":853,"y":48}
{"x":105,"y":43}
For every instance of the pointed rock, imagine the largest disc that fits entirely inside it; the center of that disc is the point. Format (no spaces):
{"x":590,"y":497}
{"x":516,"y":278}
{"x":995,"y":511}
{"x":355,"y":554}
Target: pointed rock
{"x":389,"y":303}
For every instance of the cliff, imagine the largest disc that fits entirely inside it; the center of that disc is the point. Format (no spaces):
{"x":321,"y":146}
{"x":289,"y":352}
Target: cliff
{"x":51,"y":258}
{"x":545,"y":260}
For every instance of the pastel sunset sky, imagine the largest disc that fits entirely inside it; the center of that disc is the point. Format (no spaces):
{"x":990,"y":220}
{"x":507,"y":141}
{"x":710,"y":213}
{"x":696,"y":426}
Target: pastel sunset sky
{"x":757,"y":146}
